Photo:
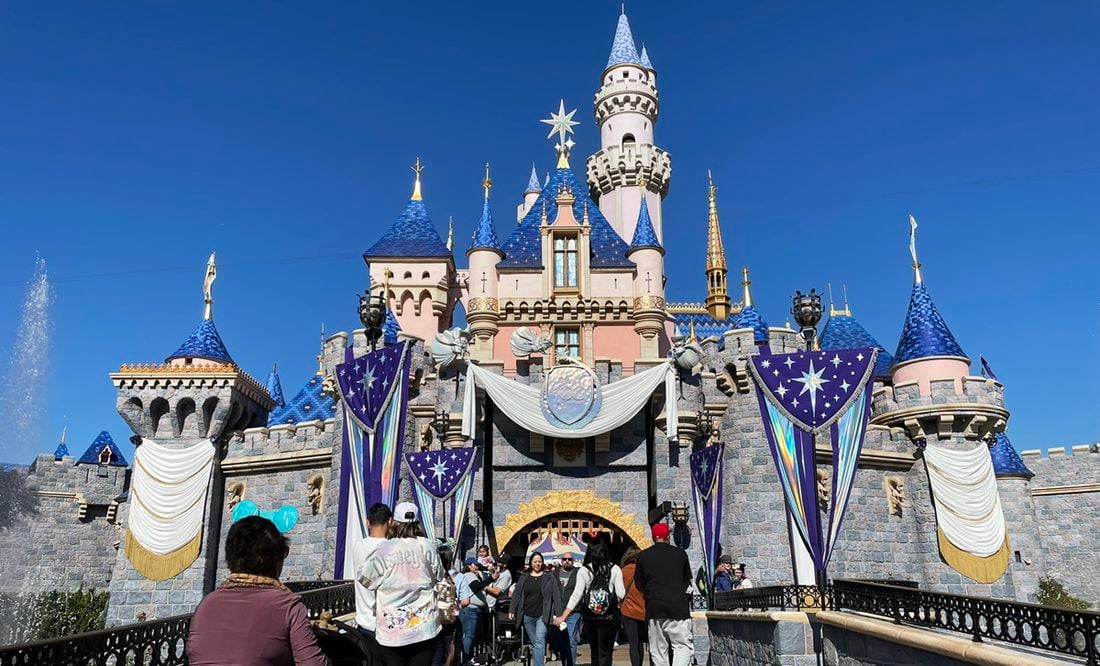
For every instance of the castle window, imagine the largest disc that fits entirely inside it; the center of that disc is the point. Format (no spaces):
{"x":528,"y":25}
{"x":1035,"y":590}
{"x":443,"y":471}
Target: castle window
{"x":565,"y":262}
{"x":425,"y":275}
{"x":628,"y":139}
{"x":567,"y":342}
{"x":408,"y":275}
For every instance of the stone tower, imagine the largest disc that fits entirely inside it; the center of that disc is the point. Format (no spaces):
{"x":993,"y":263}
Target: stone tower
{"x":628,"y":165}
{"x":197,"y":395}
{"x":483,"y":306}
{"x":718,"y":296}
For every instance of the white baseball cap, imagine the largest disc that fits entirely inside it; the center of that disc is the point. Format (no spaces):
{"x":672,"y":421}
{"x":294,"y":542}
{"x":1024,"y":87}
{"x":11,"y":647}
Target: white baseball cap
{"x":406,"y":512}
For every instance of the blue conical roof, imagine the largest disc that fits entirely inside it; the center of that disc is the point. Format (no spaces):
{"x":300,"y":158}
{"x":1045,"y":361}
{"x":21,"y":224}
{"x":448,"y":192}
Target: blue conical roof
{"x":842,"y":331}
{"x":645,"y":58}
{"x":750,"y":317}
{"x":623,"y":50}
{"x":485,"y":234}
{"x":644,"y":235}
{"x":925,"y":333}
{"x":275,"y":387}
{"x":205,"y":343}
{"x":523,"y":248}
{"x":103,"y":441}
{"x":533,"y":181}
{"x":390,"y":328}
{"x":412,"y":235}
{"x":309,"y":403}
{"x":61,"y":451}
{"x":1006,"y":462}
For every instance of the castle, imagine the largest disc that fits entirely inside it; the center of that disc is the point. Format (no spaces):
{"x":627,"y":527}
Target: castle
{"x":584,"y":267}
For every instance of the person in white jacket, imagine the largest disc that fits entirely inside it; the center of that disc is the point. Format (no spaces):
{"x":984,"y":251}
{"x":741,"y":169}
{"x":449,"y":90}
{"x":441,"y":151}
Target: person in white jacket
{"x":600,"y":586}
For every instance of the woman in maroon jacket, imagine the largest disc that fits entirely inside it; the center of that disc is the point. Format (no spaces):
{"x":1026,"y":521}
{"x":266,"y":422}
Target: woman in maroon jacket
{"x":253,"y":619}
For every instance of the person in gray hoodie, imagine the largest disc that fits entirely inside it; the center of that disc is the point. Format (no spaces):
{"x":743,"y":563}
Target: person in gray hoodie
{"x":535,"y":602}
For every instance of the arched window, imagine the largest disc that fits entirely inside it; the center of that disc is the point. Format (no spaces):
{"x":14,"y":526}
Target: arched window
{"x":408,"y":275}
{"x":628,"y":139}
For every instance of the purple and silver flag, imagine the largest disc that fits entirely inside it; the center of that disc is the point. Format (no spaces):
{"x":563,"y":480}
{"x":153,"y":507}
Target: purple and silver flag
{"x":445,"y":477}
{"x":801,"y":396}
{"x":706,"y":491}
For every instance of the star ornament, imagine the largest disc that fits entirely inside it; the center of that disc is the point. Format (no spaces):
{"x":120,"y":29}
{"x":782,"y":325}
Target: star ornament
{"x":813,"y":382}
{"x":561,"y":123}
{"x":439,"y":469}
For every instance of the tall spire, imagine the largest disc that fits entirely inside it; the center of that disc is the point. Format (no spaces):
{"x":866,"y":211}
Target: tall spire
{"x":451,"y":231}
{"x":417,"y":169}
{"x":718,"y":299}
{"x":321,"y":352}
{"x":645,"y":58}
{"x":533,"y":181}
{"x":746,"y":298}
{"x":485,"y":234}
{"x":623,"y":50}
{"x":644,"y":235}
{"x":207,"y":287}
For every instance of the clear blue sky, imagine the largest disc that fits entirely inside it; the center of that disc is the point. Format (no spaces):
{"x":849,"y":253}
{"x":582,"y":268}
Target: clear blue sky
{"x":134,"y":140}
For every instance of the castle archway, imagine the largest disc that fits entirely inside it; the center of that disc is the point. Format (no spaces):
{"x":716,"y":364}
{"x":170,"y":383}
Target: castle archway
{"x":568,"y":514}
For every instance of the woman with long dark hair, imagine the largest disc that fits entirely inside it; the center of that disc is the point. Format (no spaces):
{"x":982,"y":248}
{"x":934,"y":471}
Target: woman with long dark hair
{"x":536,"y":599}
{"x":633,"y":608}
{"x":599,"y":590}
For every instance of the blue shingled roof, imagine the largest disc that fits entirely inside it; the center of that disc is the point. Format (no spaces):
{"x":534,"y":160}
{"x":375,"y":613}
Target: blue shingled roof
{"x":750,"y":317}
{"x":645,"y":58}
{"x":390,"y":328}
{"x":523,"y":249}
{"x":204,"y":342}
{"x":925,"y":333}
{"x":1006,"y":462}
{"x":533,"y":181}
{"x":485,"y":233}
{"x":308,"y":404}
{"x":844,"y":332}
{"x":275,"y":387}
{"x":61,"y":451}
{"x":706,"y":326}
{"x":412,"y":235}
{"x":622,"y":47}
{"x":644,"y":235}
{"x":103,"y":441}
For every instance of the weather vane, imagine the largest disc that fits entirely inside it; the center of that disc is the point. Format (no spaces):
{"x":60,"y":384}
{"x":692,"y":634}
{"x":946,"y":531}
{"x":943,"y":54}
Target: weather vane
{"x":207,"y":287}
{"x":561,"y":123}
{"x":417,"y":168}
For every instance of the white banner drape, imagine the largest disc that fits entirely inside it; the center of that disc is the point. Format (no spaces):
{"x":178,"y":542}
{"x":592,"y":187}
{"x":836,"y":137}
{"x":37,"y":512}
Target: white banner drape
{"x":964,"y":492}
{"x":168,"y":491}
{"x":521,"y":403}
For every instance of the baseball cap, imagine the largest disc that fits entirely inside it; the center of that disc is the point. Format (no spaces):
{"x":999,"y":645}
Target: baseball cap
{"x":725,"y":559}
{"x":660,"y":531}
{"x":473,"y":560}
{"x":406,"y":512}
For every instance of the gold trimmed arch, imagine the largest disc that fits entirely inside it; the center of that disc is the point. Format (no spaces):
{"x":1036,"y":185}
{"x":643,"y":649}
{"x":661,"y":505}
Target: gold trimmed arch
{"x":579,"y":501}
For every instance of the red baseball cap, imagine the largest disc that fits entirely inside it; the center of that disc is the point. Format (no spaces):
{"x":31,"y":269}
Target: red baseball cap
{"x":660,"y":531}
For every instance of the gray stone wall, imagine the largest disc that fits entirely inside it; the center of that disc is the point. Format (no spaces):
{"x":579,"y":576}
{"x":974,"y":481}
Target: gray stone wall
{"x":760,"y":639}
{"x":843,"y":647}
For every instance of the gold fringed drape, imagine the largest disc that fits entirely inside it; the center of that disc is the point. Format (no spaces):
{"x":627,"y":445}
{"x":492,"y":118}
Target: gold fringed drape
{"x":162,"y":567}
{"x":981,"y":569}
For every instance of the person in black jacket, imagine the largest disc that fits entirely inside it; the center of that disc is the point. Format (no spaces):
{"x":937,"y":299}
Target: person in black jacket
{"x":535,"y":602}
{"x":664,"y":577}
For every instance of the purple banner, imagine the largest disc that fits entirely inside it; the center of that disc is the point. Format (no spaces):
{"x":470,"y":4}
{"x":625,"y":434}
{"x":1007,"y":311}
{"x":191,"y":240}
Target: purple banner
{"x":440,"y":472}
{"x":367,"y":384}
{"x":813,"y":389}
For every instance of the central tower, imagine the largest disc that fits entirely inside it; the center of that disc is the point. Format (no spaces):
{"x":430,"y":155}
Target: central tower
{"x":628,"y":165}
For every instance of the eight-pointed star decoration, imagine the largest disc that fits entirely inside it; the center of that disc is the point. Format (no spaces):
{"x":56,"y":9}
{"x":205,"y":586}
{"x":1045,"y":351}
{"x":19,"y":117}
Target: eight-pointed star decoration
{"x":811,"y":381}
{"x":561,"y":123}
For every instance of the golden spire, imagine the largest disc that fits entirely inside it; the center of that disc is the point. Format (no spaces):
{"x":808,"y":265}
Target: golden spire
{"x":207,"y":285}
{"x":320,"y":355}
{"x":691,"y":331}
{"x":451,"y":227}
{"x":718,"y":298}
{"x":417,"y":168}
{"x":746,"y":298}
{"x":835,"y":311}
{"x":488,"y":182}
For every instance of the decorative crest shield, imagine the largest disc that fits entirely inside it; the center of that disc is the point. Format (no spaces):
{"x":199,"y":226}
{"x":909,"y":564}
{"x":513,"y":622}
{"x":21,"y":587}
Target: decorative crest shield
{"x":571,"y":396}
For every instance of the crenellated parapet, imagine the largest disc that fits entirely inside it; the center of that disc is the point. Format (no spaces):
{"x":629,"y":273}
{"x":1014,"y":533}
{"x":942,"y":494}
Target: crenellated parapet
{"x":629,"y":165}
{"x":634,"y":94}
{"x":976,"y":411}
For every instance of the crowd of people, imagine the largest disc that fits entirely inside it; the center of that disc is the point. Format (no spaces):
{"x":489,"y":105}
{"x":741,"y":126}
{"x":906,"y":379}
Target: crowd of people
{"x":415,"y":605}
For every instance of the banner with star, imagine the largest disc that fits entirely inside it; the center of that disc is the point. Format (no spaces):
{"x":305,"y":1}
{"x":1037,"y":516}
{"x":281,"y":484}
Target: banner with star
{"x":374,"y":391}
{"x":803,"y":395}
{"x":443,"y":478}
{"x":706,"y":492}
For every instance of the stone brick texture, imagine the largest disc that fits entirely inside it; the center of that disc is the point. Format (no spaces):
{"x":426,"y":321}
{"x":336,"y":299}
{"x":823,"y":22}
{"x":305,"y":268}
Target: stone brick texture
{"x":760,"y":641}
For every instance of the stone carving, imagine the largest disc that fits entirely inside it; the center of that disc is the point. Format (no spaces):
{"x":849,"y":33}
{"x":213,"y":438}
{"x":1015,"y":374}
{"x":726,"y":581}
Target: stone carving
{"x":451,"y":347}
{"x":823,"y":489}
{"x":235,"y":493}
{"x":482,"y":304}
{"x":686,"y":353}
{"x":426,"y":436}
{"x":895,"y":494}
{"x":316,"y":493}
{"x":569,"y":449}
{"x":649,"y":302}
{"x":525,"y":342}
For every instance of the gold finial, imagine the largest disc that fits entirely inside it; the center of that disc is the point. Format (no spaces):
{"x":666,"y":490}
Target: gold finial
{"x":321,"y":355}
{"x":718,"y":299}
{"x":585,"y":218}
{"x":207,"y":287}
{"x":417,"y":169}
{"x":543,"y":220}
{"x":386,"y":285}
{"x":746,"y":299}
{"x":847,"y":309}
{"x":913,"y":249}
{"x":835,"y":311}
{"x":451,"y":227}
{"x":691,"y":331}
{"x":488,"y":182}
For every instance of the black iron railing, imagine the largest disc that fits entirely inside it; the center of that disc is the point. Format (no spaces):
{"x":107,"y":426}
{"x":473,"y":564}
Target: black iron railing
{"x":1075,"y":633}
{"x":772,"y":597}
{"x":157,"y":642}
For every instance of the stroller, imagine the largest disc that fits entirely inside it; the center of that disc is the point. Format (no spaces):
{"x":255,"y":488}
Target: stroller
{"x":342,"y":643}
{"x":506,"y":638}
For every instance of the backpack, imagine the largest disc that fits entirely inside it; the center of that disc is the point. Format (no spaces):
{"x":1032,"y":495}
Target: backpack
{"x":446,"y":600}
{"x":599,"y":600}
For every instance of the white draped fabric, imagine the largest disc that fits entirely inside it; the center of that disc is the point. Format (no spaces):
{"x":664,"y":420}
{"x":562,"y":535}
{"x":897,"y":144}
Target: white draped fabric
{"x":522,"y":404}
{"x":964,"y":491}
{"x":168,"y":491}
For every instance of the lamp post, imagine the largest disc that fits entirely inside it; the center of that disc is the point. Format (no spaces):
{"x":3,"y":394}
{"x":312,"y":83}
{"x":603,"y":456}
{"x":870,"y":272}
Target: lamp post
{"x":441,"y":420}
{"x":372,"y":312}
{"x":806,"y":310}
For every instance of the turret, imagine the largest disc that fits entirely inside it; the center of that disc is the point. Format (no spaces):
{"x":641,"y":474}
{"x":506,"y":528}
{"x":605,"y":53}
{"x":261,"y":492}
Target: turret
{"x":530,"y":194}
{"x":628,"y":164}
{"x":275,"y":387}
{"x":417,"y":266}
{"x":649,"y":293}
{"x":718,"y":298}
{"x":483,"y":305}
{"x":842,"y":331}
{"x":750,"y":317}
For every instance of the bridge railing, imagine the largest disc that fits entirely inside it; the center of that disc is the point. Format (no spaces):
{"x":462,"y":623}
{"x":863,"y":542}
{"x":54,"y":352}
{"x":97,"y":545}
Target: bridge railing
{"x":160,"y":642}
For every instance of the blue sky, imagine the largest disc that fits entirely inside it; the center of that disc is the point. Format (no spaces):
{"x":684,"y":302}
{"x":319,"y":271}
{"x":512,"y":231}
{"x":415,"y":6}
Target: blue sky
{"x":134,"y":140}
